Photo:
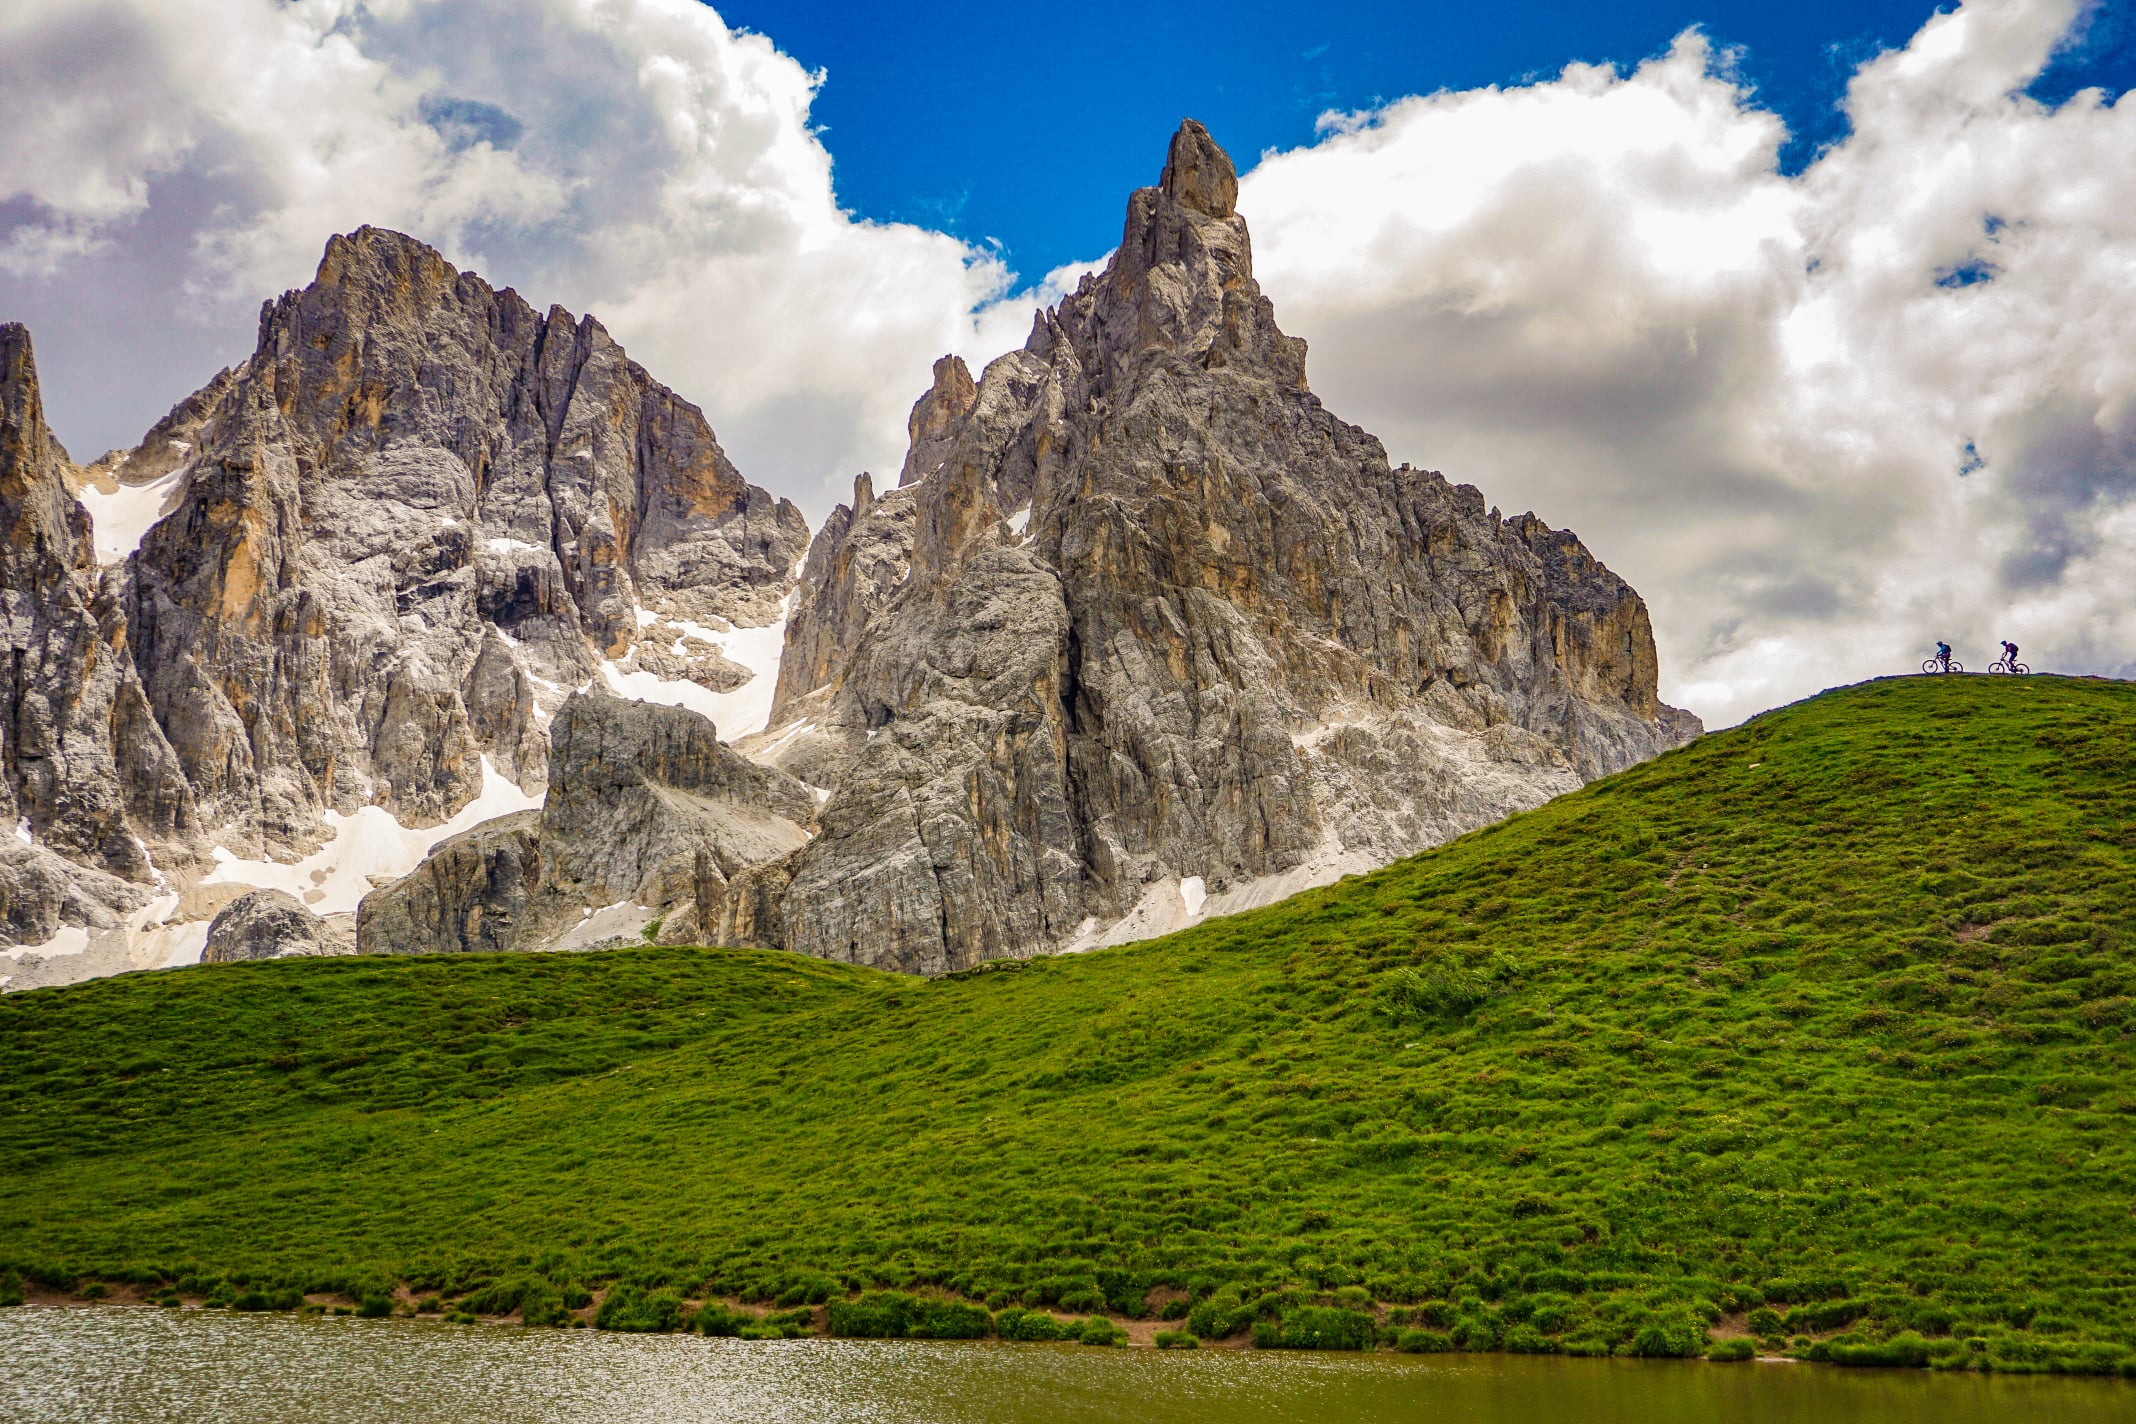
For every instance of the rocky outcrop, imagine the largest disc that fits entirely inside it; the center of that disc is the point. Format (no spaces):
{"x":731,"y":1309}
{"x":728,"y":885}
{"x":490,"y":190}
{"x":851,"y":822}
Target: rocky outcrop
{"x":268,"y":924}
{"x":1152,"y":634}
{"x":470,"y":895}
{"x":648,"y":814}
{"x":858,"y":561}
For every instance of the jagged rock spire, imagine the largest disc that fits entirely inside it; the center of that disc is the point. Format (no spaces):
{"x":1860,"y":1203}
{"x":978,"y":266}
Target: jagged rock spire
{"x":1154,"y":614}
{"x":1198,"y":174}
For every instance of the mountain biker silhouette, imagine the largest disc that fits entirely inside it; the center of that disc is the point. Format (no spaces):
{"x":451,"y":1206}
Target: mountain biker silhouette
{"x":2009,"y":662}
{"x":1942,"y":662}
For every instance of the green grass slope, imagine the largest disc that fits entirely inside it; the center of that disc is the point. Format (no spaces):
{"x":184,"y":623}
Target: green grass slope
{"x":1826,"y":1016}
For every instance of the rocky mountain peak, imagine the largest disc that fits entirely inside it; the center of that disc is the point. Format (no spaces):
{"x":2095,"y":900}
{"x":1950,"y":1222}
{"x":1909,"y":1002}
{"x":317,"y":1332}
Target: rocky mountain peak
{"x":381,"y":552}
{"x":86,"y":777}
{"x":34,"y":504}
{"x":1198,"y":174}
{"x":1142,"y":633}
{"x":1159,"y":636}
{"x":1180,"y":287}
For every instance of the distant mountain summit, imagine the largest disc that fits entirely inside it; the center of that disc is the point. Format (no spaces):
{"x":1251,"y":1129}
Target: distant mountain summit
{"x":1144,"y":633}
{"x":1141,"y":634}
{"x":379,"y":554}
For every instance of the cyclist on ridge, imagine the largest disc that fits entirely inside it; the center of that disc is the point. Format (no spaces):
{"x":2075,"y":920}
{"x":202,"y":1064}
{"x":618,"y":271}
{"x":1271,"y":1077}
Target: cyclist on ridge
{"x":2009,"y":653}
{"x":1943,"y":654}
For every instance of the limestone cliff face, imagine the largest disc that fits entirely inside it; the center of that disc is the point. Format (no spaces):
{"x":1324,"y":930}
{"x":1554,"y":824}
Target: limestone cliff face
{"x":1164,"y":616}
{"x":419,"y":503}
{"x":86,"y":777}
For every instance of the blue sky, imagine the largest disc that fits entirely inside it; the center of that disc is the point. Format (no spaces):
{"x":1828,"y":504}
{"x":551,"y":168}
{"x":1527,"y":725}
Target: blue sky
{"x":1025,"y":124}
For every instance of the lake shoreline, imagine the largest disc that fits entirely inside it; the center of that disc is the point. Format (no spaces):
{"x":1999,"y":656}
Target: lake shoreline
{"x":119,"y":1365}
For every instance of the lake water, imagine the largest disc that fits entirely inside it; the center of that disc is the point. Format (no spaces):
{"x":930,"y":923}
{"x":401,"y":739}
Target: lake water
{"x":147,"y":1366}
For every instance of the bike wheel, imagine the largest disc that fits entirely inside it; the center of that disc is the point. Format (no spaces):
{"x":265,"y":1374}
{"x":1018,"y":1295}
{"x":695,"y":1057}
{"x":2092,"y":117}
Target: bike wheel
{"x":1930,"y":666}
{"x":1997,"y":667}
{"x":1957,"y":666}
{"x":2020,"y":669}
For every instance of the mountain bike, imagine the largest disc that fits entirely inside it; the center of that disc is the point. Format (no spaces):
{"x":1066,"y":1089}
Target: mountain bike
{"x":2019,"y":669}
{"x":1936,"y":665}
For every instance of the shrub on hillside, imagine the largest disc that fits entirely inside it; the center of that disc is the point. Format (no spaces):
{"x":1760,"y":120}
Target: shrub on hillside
{"x":1907,"y":1349}
{"x":1315,"y":1327}
{"x":502,"y":1297}
{"x":1016,"y":1323}
{"x":541,"y":1304}
{"x":1725,"y":1351}
{"x":894,"y":1315}
{"x":1474,"y":1332}
{"x":1527,"y":1340}
{"x":1824,"y":1315}
{"x":1550,"y":1316}
{"x":1669,"y":1337}
{"x":1422,"y":1342}
{"x":1442,"y":987}
{"x":378,"y":1306}
{"x":1176,"y":1340}
{"x":878,"y":1315}
{"x":1097,"y":1330}
{"x":794,"y":1324}
{"x":1765,"y":1322}
{"x":262,"y":1300}
{"x":10,"y":1287}
{"x":1221,"y":1316}
{"x":715,"y":1318}
{"x":814,"y":1290}
{"x":638,"y":1311}
{"x":1800,"y":1290}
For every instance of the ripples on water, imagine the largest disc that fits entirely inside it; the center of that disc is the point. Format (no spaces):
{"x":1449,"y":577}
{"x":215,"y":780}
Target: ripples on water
{"x":135,"y":1366}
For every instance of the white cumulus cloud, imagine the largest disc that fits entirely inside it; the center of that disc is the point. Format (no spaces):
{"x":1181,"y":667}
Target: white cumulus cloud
{"x":1818,"y":420}
{"x":175,"y":163}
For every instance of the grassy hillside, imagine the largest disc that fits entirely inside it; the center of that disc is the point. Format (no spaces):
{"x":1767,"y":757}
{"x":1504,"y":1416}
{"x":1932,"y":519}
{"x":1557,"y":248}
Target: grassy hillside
{"x":1826,"y":1016}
